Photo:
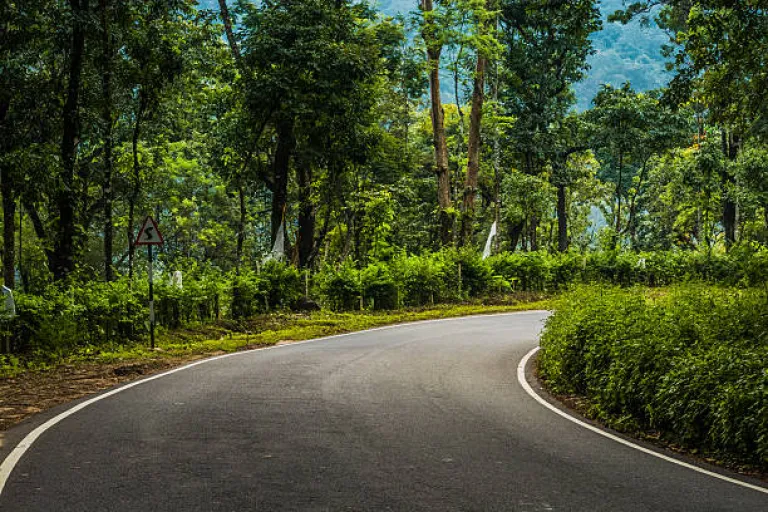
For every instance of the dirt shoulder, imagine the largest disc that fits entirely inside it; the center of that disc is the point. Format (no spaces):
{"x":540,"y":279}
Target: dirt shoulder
{"x":33,"y":392}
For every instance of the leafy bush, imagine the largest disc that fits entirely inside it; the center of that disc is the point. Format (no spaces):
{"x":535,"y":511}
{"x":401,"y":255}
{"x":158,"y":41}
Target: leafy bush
{"x":340,"y":287}
{"x":423,"y":279}
{"x":690,"y":362}
{"x":250,"y":294}
{"x":476,"y":275}
{"x":378,"y":286}
{"x":283,"y":284}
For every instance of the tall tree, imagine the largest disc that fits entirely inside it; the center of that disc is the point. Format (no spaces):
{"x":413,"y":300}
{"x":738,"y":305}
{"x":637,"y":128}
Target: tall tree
{"x":485,"y":44}
{"x":313,"y":64}
{"x":107,"y":118}
{"x":63,"y":254}
{"x":434,"y":39}
{"x":546,"y":48}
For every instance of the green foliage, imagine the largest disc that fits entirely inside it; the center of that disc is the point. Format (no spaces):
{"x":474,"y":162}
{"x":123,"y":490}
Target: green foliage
{"x":282,"y":284}
{"x":687,"y":361}
{"x":416,"y":280}
{"x":423,"y":279}
{"x":340,"y":287}
{"x":276,"y":286}
{"x":379,"y":287}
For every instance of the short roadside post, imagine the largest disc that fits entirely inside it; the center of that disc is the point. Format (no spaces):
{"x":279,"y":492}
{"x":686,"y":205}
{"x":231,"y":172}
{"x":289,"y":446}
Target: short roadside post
{"x":150,"y":236}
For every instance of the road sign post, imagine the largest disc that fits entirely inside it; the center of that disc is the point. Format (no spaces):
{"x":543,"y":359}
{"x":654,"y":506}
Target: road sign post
{"x":150,"y":236}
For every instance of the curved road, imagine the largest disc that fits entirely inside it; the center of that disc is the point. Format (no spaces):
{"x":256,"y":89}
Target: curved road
{"x":426,"y":416}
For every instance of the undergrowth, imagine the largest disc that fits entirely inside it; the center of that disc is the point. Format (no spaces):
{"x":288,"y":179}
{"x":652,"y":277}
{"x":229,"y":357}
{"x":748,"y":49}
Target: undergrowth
{"x":690,"y":362}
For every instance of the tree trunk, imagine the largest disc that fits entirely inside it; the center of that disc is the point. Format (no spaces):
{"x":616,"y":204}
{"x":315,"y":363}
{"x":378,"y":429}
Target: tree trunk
{"x":434,"y":50}
{"x":514,"y":232}
{"x":562,"y":220}
{"x":534,"y":233}
{"x":241,"y":223}
{"x":106,"y":116}
{"x":134,"y":197}
{"x":9,"y":207}
{"x":731,"y":144}
{"x":306,"y":241}
{"x":227,"y":20}
{"x":63,"y":257}
{"x":632,"y":226}
{"x":286,"y":143}
{"x":618,"y":192}
{"x":473,"y":152}
{"x":9,"y":227}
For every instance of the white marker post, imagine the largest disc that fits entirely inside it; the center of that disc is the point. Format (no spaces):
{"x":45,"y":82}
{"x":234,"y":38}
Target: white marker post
{"x":149,"y":236}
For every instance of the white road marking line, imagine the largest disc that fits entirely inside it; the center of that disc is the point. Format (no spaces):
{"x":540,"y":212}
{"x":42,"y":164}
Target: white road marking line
{"x":528,"y":389}
{"x":10,"y":462}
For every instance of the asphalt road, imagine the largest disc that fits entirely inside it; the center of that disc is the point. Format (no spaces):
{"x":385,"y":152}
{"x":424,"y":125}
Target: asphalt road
{"x":425,"y":416}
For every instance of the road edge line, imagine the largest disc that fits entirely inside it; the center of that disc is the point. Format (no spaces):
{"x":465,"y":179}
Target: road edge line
{"x":13,"y":458}
{"x":528,"y":389}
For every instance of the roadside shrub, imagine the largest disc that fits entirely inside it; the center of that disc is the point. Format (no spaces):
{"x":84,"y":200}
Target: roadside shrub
{"x":378,"y":287}
{"x":340,"y":287}
{"x":690,"y":362}
{"x":525,"y":271}
{"x":477,"y":276}
{"x":250,"y":294}
{"x":282,"y":284}
{"x":424,"y":280}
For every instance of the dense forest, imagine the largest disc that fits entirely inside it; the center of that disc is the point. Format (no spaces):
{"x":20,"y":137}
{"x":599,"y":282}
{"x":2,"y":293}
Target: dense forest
{"x":337,"y":138}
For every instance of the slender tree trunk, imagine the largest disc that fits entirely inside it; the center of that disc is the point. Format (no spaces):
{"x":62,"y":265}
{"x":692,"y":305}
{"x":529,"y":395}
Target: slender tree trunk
{"x":618,"y":192}
{"x":23,"y":271}
{"x":306,"y":242}
{"x":9,"y":207}
{"x":134,"y":197}
{"x":9,"y":227}
{"x":473,"y":152}
{"x":534,"y":239}
{"x":241,"y":222}
{"x":286,"y":143}
{"x":731,"y":145}
{"x":562,"y":220}
{"x":434,"y":51}
{"x":63,"y":254}
{"x":632,"y":226}
{"x":460,"y":139}
{"x":106,"y":115}
{"x":227,"y":20}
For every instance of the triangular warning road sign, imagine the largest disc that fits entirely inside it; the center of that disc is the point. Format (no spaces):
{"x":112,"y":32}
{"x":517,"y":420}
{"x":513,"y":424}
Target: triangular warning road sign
{"x":149,"y":234}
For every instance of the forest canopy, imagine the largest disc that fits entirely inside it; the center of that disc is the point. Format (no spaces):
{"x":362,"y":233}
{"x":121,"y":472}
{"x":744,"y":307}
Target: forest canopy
{"x":351,"y":134}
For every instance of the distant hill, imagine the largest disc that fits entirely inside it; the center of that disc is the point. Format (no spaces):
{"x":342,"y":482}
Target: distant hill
{"x":623,"y":52}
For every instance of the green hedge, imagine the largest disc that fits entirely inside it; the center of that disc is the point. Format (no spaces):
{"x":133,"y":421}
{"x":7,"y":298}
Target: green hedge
{"x":540,"y":271}
{"x":691,"y":362}
{"x":84,"y":313}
